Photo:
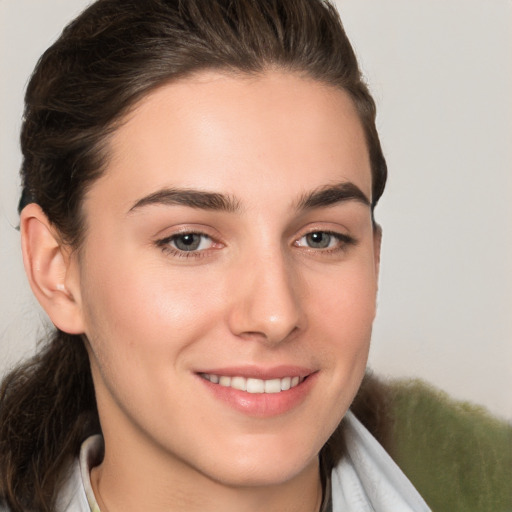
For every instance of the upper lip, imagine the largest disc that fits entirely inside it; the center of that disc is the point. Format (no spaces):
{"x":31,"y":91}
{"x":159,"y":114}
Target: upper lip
{"x":259,"y":372}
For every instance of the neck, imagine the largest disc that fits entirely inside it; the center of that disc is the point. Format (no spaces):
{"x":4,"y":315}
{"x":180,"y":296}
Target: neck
{"x":133,"y":487}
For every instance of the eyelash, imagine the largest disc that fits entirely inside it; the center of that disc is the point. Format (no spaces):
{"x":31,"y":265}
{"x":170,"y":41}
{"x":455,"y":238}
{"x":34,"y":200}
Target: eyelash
{"x":164,"y":244}
{"x":344,"y":242}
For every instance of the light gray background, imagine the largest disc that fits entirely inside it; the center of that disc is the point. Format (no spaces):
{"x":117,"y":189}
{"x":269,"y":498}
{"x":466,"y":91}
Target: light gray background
{"x":441,"y":73}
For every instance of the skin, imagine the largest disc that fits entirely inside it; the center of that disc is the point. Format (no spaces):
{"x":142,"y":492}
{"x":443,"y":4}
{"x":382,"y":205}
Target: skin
{"x":257,"y":292}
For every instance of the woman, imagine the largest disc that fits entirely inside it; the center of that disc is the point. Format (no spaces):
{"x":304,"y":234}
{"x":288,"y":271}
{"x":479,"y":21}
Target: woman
{"x":197,"y":221}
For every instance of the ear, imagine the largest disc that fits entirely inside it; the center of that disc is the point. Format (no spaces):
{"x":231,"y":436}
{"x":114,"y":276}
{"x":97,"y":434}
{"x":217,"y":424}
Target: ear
{"x":377,"y":242}
{"x":51,"y":269}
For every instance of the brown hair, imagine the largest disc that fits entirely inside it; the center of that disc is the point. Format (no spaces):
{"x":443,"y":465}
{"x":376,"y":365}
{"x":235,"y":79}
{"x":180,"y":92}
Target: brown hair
{"x":112,"y":55}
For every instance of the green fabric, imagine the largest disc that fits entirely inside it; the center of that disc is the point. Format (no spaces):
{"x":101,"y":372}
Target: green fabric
{"x":457,"y":455}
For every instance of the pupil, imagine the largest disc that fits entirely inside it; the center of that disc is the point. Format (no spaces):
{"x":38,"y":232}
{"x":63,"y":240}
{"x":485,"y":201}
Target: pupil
{"x":188,"y":242}
{"x":188,"y":239}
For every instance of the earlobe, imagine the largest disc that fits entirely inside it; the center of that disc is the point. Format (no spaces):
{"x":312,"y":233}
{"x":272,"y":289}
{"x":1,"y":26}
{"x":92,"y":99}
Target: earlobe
{"x":48,"y":265}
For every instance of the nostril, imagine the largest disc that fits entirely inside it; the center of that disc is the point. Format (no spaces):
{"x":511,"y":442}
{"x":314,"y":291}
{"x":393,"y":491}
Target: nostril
{"x":266,"y":306}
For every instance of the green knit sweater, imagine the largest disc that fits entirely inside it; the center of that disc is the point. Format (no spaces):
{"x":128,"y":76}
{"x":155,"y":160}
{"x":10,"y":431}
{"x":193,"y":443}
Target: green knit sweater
{"x":457,"y":455}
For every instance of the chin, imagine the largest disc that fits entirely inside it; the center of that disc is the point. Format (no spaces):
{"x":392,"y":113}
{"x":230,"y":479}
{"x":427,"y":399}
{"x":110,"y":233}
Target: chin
{"x":263,"y":463}
{"x":274,"y":472}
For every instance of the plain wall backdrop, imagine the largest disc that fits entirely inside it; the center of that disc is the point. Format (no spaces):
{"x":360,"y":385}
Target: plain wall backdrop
{"x":441,"y":73}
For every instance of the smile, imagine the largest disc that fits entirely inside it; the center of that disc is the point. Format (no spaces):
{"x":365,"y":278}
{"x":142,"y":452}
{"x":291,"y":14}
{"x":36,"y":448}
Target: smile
{"x":252,"y":385}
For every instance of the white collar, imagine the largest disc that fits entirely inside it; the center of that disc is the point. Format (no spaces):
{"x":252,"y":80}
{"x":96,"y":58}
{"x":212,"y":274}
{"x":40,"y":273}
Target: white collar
{"x":77,"y":494}
{"x":367,"y":479}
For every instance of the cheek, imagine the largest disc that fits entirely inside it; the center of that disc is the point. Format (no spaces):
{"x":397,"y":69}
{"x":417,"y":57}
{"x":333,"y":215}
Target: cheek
{"x":132,"y":306}
{"x":345,"y":303}
{"x":344,"y":314}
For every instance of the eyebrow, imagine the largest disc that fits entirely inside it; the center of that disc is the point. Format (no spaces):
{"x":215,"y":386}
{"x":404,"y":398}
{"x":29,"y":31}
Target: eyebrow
{"x":189,"y":197}
{"x":331,"y":195}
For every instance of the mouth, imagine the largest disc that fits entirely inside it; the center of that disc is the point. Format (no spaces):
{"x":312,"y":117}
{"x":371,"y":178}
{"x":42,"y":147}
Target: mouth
{"x":253,"y":385}
{"x":260,"y":392}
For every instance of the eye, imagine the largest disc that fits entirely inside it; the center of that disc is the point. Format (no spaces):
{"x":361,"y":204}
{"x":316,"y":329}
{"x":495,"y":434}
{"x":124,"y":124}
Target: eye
{"x":319,"y":240}
{"x":186,"y":243}
{"x":324,"y":240}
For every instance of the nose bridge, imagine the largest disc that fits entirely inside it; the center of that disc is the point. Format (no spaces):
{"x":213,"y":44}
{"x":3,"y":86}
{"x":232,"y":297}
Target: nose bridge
{"x":268,"y":303}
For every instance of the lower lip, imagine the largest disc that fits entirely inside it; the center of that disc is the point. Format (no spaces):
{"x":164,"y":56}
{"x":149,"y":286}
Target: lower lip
{"x":262,"y":405}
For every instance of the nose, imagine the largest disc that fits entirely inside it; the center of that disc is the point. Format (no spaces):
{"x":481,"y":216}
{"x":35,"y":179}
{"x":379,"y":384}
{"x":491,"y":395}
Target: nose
{"x":266,"y":303}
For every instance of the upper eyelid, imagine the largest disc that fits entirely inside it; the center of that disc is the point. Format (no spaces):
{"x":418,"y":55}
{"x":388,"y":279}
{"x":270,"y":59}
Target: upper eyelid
{"x":341,"y":232}
{"x":169,"y":238}
{"x":342,"y":237}
{"x":324,"y":230}
{"x":187,"y":230}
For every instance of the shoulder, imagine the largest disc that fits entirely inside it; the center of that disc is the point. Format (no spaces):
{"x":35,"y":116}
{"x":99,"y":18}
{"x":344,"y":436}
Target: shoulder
{"x":457,"y":454}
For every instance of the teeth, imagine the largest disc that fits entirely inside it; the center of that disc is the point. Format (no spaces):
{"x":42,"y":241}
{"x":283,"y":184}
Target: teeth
{"x":239,"y":383}
{"x":286,"y":383}
{"x":225,"y":381}
{"x":273,"y":386}
{"x":254,"y":385}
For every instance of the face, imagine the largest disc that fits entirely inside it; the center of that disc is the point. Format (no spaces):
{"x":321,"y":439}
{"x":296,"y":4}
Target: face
{"x":228,"y":276}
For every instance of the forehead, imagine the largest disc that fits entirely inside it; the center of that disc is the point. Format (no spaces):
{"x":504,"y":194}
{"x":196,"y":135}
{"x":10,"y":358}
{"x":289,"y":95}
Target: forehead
{"x":275,"y":133}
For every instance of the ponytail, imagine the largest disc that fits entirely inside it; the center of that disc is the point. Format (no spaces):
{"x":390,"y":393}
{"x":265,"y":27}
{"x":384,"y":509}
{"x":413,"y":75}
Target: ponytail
{"x":47,"y":409}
